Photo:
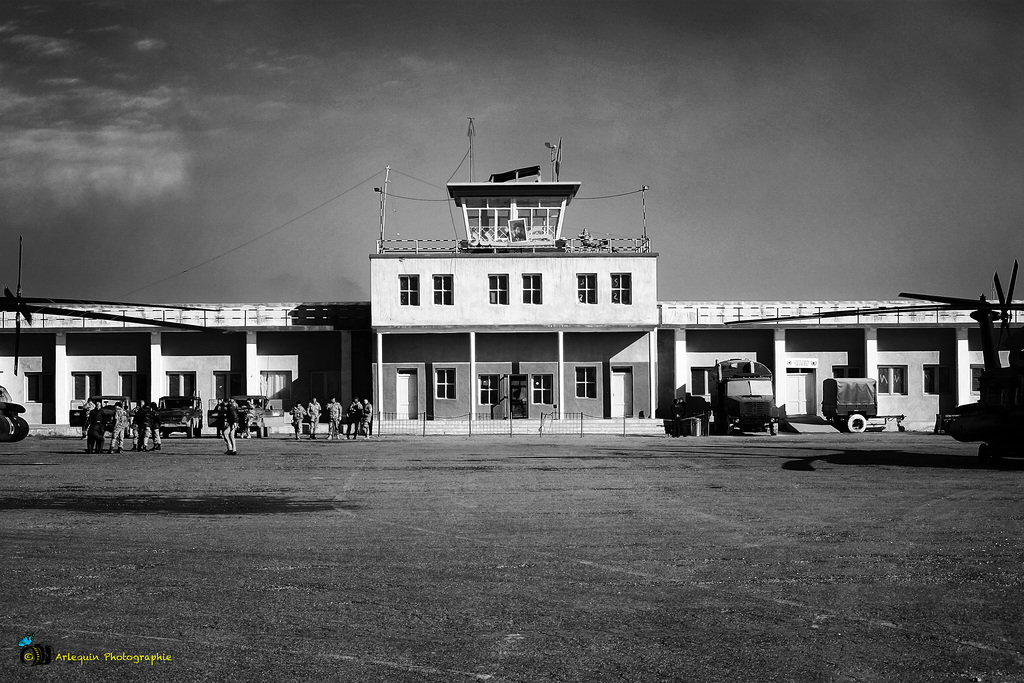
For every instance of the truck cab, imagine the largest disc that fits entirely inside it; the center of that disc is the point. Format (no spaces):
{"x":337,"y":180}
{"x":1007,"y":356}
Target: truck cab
{"x":180,"y":414}
{"x":743,"y":397}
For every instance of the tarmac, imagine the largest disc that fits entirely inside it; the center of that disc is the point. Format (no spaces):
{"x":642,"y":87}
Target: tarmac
{"x":817,"y":557}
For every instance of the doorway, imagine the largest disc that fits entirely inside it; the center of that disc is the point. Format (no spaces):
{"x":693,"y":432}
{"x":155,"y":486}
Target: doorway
{"x":517,"y":393}
{"x":800,"y":393}
{"x":406,"y":404}
{"x":622,"y":392}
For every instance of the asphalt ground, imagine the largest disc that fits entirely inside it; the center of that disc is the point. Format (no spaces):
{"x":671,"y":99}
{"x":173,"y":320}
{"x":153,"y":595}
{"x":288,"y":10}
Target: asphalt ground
{"x":873,"y":557}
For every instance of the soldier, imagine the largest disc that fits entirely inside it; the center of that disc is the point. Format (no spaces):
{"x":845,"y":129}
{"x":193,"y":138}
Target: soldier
{"x":298,"y":414}
{"x":334,"y":418}
{"x":87,"y":409}
{"x":120,"y":427}
{"x":354,"y":415}
{"x":142,"y":426}
{"x":94,"y":421}
{"x":314,"y":417}
{"x":366,"y":425}
{"x":154,"y":426}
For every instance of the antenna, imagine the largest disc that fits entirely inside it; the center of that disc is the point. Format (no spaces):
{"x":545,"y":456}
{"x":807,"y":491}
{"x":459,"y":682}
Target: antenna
{"x":383,"y":202}
{"x":643,"y":200}
{"x":556,"y":158}
{"x":471,"y":133}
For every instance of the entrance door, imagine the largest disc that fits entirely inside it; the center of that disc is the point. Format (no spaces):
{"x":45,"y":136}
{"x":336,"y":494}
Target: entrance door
{"x":406,"y":405}
{"x":622,"y":392}
{"x":800,"y":394}
{"x":517,"y":392}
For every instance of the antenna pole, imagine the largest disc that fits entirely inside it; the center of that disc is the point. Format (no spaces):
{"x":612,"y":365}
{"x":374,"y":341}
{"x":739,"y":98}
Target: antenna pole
{"x":643,"y":200}
{"x":471,"y":133}
{"x":384,"y":201}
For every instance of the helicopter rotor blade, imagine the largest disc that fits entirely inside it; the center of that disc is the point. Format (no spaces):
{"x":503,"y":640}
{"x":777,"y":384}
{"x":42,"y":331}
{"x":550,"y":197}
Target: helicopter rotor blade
{"x":19,"y":265}
{"x":17,"y":341}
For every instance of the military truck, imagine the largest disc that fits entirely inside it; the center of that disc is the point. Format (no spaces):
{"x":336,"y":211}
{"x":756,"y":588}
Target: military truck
{"x":180,"y":414}
{"x":742,"y":397}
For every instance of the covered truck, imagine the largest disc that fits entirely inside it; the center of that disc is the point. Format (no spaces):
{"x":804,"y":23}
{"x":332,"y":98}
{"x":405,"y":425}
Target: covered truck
{"x":849,"y":403}
{"x":743,"y":397}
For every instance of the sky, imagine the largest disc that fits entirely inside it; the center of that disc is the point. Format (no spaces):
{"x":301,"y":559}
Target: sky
{"x":181,"y":151}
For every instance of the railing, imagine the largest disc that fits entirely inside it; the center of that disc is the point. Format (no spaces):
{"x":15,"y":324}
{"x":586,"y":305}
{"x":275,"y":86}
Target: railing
{"x":719,"y":313}
{"x":604,"y":245}
{"x":213,"y":318}
{"x":548,"y":424}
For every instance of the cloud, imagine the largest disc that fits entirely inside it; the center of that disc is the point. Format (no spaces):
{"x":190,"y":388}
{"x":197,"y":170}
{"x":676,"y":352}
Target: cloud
{"x":42,"y":46}
{"x":150,"y":45}
{"x":68,"y":167}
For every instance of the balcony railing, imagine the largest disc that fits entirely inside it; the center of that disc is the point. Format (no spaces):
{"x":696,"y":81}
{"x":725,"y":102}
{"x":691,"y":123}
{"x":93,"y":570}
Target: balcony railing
{"x":575,"y":245}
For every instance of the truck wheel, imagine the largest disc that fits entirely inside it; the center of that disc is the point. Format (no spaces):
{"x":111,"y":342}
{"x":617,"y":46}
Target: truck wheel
{"x":856,"y":423}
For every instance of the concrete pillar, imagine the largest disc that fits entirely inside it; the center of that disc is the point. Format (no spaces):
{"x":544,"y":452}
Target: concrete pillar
{"x":61,"y":378}
{"x":681,"y":363}
{"x":252,"y":370}
{"x":156,"y":366}
{"x":781,"y":381}
{"x":963,"y":367}
{"x":379,"y":375}
{"x":561,"y":374}
{"x":871,"y":352}
{"x":472,"y":376}
{"x":652,"y":339}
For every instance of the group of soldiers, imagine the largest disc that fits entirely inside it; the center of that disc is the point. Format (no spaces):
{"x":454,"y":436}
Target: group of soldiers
{"x":354,"y":422}
{"x":142,"y":420}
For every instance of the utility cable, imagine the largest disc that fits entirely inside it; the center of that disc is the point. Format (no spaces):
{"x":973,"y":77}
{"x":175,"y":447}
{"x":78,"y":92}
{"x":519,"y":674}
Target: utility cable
{"x":254,"y":239}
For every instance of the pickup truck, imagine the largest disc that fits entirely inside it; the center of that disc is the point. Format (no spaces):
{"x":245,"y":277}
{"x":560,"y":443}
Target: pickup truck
{"x":180,"y":414}
{"x":77,"y":416}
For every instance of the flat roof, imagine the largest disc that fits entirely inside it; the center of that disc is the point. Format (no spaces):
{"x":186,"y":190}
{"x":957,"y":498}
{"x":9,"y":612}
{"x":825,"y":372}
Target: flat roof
{"x":567,"y":190}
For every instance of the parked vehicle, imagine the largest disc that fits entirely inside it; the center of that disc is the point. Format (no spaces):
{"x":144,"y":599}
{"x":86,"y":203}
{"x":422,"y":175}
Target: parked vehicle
{"x":180,"y":414}
{"x":742,"y":397}
{"x":77,"y":416}
{"x":252,"y":413}
{"x":851,"y":403}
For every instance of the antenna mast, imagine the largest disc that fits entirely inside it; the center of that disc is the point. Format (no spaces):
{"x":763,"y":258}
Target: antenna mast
{"x":383,"y":202}
{"x":643,"y":200}
{"x":471,"y":133}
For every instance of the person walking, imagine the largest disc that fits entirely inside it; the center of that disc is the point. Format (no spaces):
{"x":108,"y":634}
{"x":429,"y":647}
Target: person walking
{"x":353,"y":416}
{"x":333,"y":419}
{"x":230,"y":425}
{"x":120,"y":427}
{"x":87,"y":409}
{"x":367,"y":424}
{"x":314,"y":417}
{"x":298,"y":415}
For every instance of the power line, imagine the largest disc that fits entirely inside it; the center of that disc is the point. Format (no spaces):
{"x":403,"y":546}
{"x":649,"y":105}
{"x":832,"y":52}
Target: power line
{"x":254,"y":239}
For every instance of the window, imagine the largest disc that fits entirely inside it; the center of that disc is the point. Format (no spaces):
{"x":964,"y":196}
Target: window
{"x":622,"y":288}
{"x":444,"y":383}
{"x":487,"y":220}
{"x":38,"y":387}
{"x":586,"y":289}
{"x":226,"y":384}
{"x":86,"y":384}
{"x":699,"y":381}
{"x":489,"y":389}
{"x":181,"y":383}
{"x":324,"y":385}
{"x":443,"y":290}
{"x":276,"y":383}
{"x":532,"y":289}
{"x":845,"y":371}
{"x":892,"y":379}
{"x":134,"y":385}
{"x":937,"y":379}
{"x":540,"y":217}
{"x":542,"y":390}
{"x":586,"y":382}
{"x":409,"y":290}
{"x":976,"y":371}
{"x":498,"y":289}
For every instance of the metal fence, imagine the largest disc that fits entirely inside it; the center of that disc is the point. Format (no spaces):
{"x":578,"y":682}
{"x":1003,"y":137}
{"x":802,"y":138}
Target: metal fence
{"x":548,"y":424}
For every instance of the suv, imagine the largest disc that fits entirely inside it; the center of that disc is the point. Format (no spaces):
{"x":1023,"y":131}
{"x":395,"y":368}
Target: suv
{"x":180,"y":414}
{"x":252,"y":411}
{"x":77,"y":416}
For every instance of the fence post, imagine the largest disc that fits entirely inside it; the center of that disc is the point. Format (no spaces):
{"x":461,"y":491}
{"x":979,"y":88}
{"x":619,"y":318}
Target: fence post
{"x":423,"y":419}
{"x":581,"y":424}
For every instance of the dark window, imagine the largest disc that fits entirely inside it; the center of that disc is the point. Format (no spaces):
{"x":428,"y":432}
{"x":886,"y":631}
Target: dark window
{"x":586,"y":289}
{"x":622,"y":288}
{"x":445,"y":382}
{"x":498,"y":289}
{"x":532,"y":293}
{"x":586,"y":382}
{"x":409,"y":290}
{"x":443,"y":295}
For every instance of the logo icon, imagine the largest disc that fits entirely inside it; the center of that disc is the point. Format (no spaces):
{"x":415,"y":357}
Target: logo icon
{"x":34,"y":655}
